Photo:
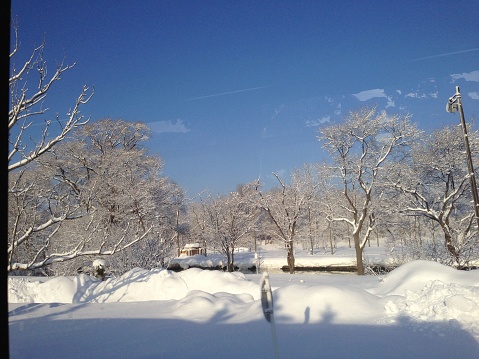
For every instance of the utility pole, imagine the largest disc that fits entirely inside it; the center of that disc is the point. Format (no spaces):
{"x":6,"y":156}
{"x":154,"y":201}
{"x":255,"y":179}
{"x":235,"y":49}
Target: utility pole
{"x":453,"y":105}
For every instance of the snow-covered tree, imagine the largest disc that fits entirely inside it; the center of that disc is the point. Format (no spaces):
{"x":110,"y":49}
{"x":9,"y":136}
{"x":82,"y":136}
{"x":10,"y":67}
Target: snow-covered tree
{"x":198,"y":226}
{"x":34,"y":203}
{"x":227,"y":220}
{"x":114,"y":196}
{"x":436,"y":185}
{"x":332,"y":202}
{"x":361,"y":148}
{"x":36,"y":209}
{"x":26,"y":107}
{"x":317,"y":228}
{"x":285,"y":204}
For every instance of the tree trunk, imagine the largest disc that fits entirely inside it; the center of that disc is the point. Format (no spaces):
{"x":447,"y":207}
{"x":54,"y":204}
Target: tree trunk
{"x":229,"y":264}
{"x":331,"y":238}
{"x":450,"y":246}
{"x":290,"y":258}
{"x":359,"y":254}
{"x":310,"y":231}
{"x":177,"y":231}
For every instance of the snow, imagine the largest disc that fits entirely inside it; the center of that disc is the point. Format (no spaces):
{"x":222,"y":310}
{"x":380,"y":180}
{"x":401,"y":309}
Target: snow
{"x":419,"y":310}
{"x":272,"y":259}
{"x":97,"y":263}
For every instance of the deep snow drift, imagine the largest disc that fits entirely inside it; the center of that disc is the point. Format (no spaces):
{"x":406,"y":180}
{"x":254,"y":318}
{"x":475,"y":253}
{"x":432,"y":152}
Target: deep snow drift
{"x":420,"y":310}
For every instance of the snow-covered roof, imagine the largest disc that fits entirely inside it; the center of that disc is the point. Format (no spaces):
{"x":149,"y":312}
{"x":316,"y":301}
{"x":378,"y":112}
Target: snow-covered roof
{"x":192,"y":245}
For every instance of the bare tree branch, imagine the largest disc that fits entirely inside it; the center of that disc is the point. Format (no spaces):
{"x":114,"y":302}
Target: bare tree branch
{"x":25,"y":106}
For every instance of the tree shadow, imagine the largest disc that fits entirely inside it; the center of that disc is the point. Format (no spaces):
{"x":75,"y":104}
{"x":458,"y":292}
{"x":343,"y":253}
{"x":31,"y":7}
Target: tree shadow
{"x":85,"y":294}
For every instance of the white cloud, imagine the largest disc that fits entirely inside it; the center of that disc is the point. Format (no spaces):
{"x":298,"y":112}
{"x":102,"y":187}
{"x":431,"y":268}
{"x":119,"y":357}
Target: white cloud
{"x":320,"y":121}
{"x":337,"y":112}
{"x":168,"y":126}
{"x":415,"y":95}
{"x":434,"y":94}
{"x":474,"y":95}
{"x":468,"y":76}
{"x":369,"y":94}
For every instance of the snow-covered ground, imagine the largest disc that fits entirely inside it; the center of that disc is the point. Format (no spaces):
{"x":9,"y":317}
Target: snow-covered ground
{"x":273,"y":259}
{"x":420,"y":310}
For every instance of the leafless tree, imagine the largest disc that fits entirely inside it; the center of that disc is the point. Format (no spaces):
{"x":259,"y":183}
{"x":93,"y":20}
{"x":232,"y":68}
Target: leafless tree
{"x":228,"y":219}
{"x":361,"y":148}
{"x":285,"y":204}
{"x":107,"y":195}
{"x":318,"y":228}
{"x":330,"y":202}
{"x":34,"y":201}
{"x":26,"y":107}
{"x":198,"y":228}
{"x":436,"y":185}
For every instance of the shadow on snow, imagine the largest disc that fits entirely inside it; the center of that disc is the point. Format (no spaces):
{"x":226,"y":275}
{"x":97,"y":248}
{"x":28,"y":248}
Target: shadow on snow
{"x":76,"y":337}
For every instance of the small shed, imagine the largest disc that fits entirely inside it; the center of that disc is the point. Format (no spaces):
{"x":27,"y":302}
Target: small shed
{"x":190,"y":249}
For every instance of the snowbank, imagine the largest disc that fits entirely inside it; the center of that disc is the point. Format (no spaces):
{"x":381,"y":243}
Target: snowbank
{"x":416,"y":274}
{"x":200,"y":313}
{"x":134,"y":286}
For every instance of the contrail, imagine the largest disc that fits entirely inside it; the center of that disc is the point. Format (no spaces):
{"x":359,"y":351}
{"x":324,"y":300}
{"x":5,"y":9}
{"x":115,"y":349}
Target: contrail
{"x":227,"y":93}
{"x":446,"y":54}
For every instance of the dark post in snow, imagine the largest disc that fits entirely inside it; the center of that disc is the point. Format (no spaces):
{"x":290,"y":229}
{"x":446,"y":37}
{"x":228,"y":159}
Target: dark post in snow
{"x":453,"y":105}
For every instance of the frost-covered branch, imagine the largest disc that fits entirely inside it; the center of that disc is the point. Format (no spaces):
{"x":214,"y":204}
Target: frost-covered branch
{"x":25,"y":106}
{"x":75,"y":119}
{"x":75,"y":253}
{"x":362,"y":146}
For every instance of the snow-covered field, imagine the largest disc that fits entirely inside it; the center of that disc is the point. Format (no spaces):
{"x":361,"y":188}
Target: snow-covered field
{"x":420,"y":310}
{"x":273,"y":259}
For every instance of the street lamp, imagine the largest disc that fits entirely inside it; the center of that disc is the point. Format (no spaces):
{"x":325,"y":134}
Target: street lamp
{"x":454,"y":104}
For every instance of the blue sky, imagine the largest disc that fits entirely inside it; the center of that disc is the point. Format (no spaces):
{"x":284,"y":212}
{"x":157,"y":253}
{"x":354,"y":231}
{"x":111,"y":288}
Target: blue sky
{"x":234,"y":90}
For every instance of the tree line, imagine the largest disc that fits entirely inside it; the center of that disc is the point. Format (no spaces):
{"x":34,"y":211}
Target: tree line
{"x":83,"y":190}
